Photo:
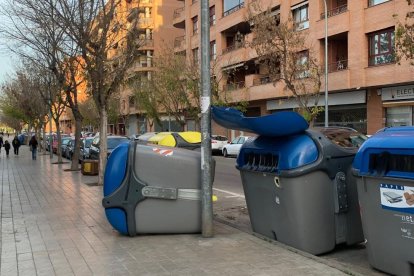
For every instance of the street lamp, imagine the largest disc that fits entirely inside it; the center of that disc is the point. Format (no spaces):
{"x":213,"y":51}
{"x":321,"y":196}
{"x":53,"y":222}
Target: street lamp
{"x":205,"y":99}
{"x":326,"y":64}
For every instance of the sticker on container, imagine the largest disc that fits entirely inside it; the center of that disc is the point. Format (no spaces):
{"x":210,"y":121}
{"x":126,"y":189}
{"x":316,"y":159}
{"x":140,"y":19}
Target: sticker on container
{"x":163,"y":152}
{"x":397,"y":198}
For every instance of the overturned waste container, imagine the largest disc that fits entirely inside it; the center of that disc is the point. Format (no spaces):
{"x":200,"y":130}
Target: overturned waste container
{"x":146,"y":191}
{"x":385,"y":166}
{"x":298,"y":182}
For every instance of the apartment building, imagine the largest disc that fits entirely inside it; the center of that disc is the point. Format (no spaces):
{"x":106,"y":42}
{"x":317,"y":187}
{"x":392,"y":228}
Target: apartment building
{"x":155,"y":29}
{"x":368,"y":90}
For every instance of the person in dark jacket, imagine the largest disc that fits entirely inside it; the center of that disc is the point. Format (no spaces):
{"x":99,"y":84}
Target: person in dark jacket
{"x":33,"y":146}
{"x":7,"y":147}
{"x":1,"y":143}
{"x":16,"y":145}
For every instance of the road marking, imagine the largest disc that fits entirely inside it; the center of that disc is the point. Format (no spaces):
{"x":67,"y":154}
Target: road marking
{"x":228,"y":192}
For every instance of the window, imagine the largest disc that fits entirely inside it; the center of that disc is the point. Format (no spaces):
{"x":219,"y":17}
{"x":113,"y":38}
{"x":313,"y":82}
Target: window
{"x":231,"y":6}
{"x":132,"y":101}
{"x":302,"y":64}
{"x":301,"y":17}
{"x":195,"y":56}
{"x":376,"y":2}
{"x":213,"y":50}
{"x":381,"y":47}
{"x":195,"y":25}
{"x":212,"y":15}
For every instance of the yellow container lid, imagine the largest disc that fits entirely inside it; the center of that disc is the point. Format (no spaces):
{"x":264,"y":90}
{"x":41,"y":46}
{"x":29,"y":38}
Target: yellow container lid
{"x":192,"y":137}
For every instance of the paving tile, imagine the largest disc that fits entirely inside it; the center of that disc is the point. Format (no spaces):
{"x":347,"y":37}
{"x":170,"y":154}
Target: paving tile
{"x":51,"y":223}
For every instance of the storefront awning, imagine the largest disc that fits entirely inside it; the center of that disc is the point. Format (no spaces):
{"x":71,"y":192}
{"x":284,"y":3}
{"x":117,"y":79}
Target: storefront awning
{"x":233,"y":66}
{"x":344,"y":98}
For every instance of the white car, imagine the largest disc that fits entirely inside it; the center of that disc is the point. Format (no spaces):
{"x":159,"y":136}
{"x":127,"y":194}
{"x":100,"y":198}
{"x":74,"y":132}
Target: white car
{"x":218,"y":142}
{"x":234,"y":147}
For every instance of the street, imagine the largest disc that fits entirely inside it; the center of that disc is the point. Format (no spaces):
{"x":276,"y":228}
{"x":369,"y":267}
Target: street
{"x":231,"y":208}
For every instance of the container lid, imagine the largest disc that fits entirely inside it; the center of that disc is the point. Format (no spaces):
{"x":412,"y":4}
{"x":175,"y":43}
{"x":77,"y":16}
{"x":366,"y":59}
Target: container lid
{"x":390,"y":152}
{"x":282,"y":123}
{"x":268,"y":154}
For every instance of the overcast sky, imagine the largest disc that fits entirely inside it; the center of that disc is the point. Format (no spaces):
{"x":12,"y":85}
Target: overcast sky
{"x":6,"y":60}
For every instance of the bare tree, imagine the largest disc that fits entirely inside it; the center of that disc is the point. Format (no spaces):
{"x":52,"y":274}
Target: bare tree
{"x":174,"y":88}
{"x":19,"y":101}
{"x":287,"y":57}
{"x":405,"y":36}
{"x":35,"y":35}
{"x":105,"y":32}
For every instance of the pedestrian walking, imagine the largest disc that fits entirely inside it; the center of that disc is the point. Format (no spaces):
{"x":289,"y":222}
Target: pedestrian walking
{"x":7,"y":147}
{"x":16,"y":145}
{"x":33,"y":146}
{"x":1,"y":142}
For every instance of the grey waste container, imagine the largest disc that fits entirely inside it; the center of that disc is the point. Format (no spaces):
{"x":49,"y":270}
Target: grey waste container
{"x":153,"y":189}
{"x":300,"y":190}
{"x":385,"y":166}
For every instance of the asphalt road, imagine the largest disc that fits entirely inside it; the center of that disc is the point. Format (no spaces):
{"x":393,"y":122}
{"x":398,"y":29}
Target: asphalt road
{"x":231,"y":208}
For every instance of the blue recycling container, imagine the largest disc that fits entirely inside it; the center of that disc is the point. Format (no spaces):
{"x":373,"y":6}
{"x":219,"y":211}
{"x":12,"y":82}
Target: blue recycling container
{"x":385,"y":169}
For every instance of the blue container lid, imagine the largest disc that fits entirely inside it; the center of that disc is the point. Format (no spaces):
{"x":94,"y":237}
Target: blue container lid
{"x":289,"y":152}
{"x":282,"y":123}
{"x":387,"y":144}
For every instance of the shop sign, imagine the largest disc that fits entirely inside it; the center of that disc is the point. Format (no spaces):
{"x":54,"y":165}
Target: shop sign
{"x":397,"y":93}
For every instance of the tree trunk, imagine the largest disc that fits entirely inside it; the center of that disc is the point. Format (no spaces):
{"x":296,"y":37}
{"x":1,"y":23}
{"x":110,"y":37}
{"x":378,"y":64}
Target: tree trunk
{"x":44,"y":136}
{"x":59,"y":142}
{"x":103,"y":143}
{"x":78,"y":129}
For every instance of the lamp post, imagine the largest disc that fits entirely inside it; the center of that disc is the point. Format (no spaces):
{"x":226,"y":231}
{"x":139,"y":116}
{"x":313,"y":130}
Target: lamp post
{"x":206,"y":169}
{"x":326,"y":64}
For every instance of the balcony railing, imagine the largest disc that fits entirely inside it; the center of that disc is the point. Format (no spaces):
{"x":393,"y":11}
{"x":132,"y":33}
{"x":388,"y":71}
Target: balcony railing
{"x":231,"y":48}
{"x":145,"y":21}
{"x":179,"y":41}
{"x":178,"y":12}
{"x":234,"y":86}
{"x":234,"y":9}
{"x":337,"y":66}
{"x":261,"y":81}
{"x":145,"y":2}
{"x":336,"y":11}
{"x":147,"y":43}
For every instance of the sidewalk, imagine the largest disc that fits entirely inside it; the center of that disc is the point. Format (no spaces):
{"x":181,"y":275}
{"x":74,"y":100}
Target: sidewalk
{"x":52,"y":223}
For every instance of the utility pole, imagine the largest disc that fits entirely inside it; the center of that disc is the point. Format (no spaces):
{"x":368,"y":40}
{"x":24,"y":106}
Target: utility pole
{"x":206,"y":177}
{"x":326,"y":65}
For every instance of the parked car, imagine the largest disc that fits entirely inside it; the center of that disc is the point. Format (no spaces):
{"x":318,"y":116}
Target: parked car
{"x":218,"y":142}
{"x":85,"y":147}
{"x":113,"y":141}
{"x":233,"y":148}
{"x":55,"y":141}
{"x":64,"y":144}
{"x":70,"y":148}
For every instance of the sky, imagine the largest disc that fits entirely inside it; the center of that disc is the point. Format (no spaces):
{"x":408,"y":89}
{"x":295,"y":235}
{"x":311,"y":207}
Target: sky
{"x":6,"y":61}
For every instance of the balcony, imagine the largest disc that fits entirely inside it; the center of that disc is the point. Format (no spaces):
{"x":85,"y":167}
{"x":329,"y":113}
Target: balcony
{"x":179,"y":43}
{"x":337,"y":66}
{"x":145,"y":3}
{"x":179,"y":18}
{"x":232,"y":48}
{"x":233,"y":10}
{"x":261,"y":80}
{"x":146,"y":43}
{"x":145,"y":22}
{"x":336,"y":11}
{"x":234,"y":86}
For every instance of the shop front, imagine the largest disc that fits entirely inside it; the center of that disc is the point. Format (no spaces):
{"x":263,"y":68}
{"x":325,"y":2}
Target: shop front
{"x":398,"y":102}
{"x":347,"y":109}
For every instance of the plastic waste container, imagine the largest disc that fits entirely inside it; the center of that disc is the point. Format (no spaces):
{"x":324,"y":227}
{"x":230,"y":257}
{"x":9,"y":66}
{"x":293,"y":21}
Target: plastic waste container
{"x":298,"y":183}
{"x":90,"y":167}
{"x":188,"y":140}
{"x":385,"y":166}
{"x":146,"y":191}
